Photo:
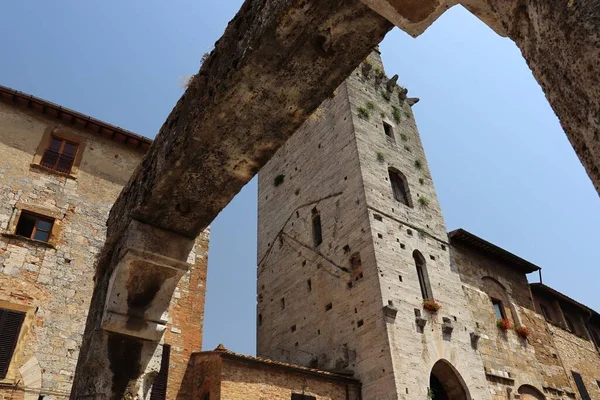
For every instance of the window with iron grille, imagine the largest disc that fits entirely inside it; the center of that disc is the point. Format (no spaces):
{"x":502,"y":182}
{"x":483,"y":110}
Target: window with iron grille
{"x":10,"y":327}
{"x":159,"y":387}
{"x":60,"y":155}
{"x":581,"y":386}
{"x":33,"y":226}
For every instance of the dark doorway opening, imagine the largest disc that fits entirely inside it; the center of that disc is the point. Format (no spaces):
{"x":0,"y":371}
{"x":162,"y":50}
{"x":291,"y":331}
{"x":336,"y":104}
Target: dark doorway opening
{"x":445,"y":383}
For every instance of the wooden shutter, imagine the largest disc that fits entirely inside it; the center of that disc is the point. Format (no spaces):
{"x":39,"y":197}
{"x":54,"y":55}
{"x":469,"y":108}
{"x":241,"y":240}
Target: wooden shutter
{"x":10,"y":327}
{"x":159,"y":388}
{"x":581,"y":386}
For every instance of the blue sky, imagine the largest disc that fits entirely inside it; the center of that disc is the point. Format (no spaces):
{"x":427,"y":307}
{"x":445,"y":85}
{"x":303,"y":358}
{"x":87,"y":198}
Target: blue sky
{"x":502,"y":166}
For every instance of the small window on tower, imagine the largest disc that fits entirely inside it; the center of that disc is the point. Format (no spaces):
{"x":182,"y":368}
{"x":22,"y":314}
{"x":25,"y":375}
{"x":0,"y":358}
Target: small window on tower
{"x":400,"y":187}
{"x":34,"y":227}
{"x":389,"y":131}
{"x":316,"y":228}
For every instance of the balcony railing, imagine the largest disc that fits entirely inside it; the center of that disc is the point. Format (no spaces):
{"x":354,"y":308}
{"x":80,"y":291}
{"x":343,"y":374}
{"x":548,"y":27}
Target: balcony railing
{"x":57,"y":161}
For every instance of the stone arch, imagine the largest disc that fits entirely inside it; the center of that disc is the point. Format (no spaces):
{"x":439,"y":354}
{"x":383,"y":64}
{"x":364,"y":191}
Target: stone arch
{"x":528,"y":392}
{"x":445,"y":383}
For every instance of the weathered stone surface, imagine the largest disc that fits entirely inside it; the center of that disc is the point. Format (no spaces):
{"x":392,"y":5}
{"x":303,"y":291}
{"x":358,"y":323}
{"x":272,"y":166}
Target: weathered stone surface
{"x":53,"y":283}
{"x":273,"y":66}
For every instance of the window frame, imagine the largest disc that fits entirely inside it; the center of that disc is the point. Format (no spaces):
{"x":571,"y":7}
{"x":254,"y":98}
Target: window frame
{"x":500,"y":307}
{"x":45,"y":144}
{"x":38,"y":218}
{"x":60,"y":153}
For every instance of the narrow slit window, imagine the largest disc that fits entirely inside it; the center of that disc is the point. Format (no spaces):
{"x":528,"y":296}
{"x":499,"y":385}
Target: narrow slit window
{"x":10,"y":327}
{"x":422,"y":275}
{"x":60,"y":155}
{"x":498,"y":309}
{"x":34,"y":227}
{"x":400,"y":187}
{"x":389,"y":131}
{"x":316,"y":228}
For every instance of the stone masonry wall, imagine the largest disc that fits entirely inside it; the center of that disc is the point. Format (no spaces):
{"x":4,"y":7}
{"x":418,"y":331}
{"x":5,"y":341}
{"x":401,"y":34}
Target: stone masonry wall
{"x":510,"y":361}
{"x":241,"y":380}
{"x":52,"y":282}
{"x":398,"y":231}
{"x":314,"y":308}
{"x":364,"y":268}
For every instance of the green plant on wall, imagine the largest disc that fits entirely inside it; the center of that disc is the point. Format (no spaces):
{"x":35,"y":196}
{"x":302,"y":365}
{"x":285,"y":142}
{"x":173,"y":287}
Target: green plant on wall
{"x":383,"y":115}
{"x":418,"y":164}
{"x":278,"y":180}
{"x":370,"y":105}
{"x":403,"y":137}
{"x":380,"y":157}
{"x":423,"y":201}
{"x":363,"y":113}
{"x":421,"y":181}
{"x":396,"y":114}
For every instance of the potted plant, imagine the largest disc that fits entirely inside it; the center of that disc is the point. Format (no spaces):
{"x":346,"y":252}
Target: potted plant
{"x":503,"y":324}
{"x":431,"y":305}
{"x":523,"y":331}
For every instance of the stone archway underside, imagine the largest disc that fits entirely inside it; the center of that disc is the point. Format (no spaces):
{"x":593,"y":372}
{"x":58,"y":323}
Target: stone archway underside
{"x":446,"y":384}
{"x":273,"y":66}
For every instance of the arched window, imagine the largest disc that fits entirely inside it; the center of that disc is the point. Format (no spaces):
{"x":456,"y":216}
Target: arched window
{"x":400,"y":187}
{"x":422,"y":274}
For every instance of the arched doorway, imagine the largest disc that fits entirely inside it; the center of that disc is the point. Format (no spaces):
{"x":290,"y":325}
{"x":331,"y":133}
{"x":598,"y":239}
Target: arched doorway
{"x":528,"y":392}
{"x":445,"y":383}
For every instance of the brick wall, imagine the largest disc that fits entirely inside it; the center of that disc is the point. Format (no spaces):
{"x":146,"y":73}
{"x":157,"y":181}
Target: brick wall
{"x":52,"y":282}
{"x":233,"y":378}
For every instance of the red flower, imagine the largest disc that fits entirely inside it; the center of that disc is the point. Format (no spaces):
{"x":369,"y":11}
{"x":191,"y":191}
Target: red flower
{"x":503,"y":324}
{"x":431,"y":305}
{"x":523,"y":331}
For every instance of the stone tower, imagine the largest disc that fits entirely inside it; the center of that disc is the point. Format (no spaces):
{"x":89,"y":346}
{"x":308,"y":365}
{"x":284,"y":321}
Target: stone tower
{"x":351,"y":240}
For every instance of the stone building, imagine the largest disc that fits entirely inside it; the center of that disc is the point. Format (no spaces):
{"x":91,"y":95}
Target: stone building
{"x":60,"y":173}
{"x":357,"y":272}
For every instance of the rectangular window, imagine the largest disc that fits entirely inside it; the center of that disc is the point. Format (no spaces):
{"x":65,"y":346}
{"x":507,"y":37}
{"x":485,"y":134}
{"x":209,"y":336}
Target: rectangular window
{"x":159,"y":387}
{"x":498,"y":309}
{"x":581,"y":386}
{"x":298,"y":396}
{"x":60,"y":155}
{"x":389,"y":131}
{"x":33,"y":226}
{"x":10,"y":327}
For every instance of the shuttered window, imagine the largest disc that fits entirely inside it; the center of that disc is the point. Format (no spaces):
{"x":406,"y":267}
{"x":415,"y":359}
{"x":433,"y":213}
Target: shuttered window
{"x":159,"y":388}
{"x":10,"y":327}
{"x":580,"y":386}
